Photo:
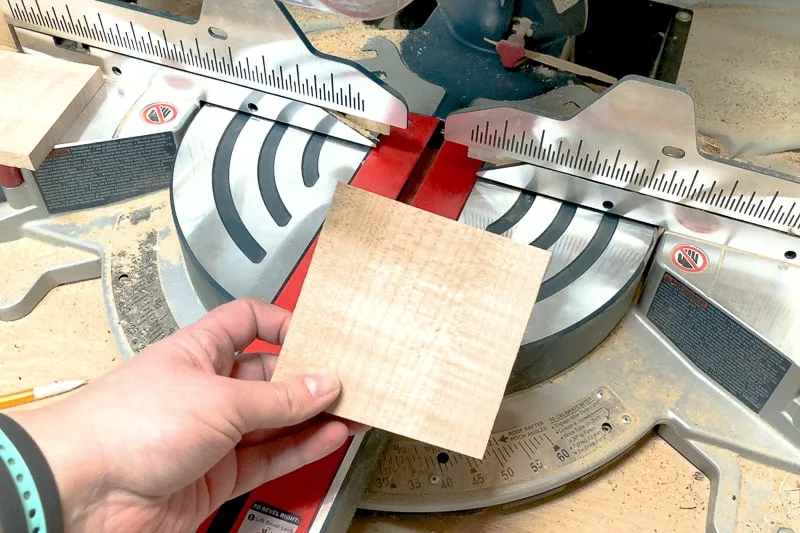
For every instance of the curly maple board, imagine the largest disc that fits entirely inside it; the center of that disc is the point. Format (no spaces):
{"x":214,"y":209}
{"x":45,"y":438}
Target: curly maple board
{"x":420,"y":316}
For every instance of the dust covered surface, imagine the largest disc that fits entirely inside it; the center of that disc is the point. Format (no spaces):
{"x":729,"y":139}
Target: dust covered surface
{"x":141,"y":306}
{"x":37,"y":257}
{"x":340,"y":36}
{"x":742,"y":65}
{"x":65,"y":337}
{"x":769,"y":498}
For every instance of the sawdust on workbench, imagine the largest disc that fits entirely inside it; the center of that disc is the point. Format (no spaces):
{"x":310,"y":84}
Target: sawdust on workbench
{"x":80,"y":309}
{"x":346,"y":40}
{"x":769,"y":498}
{"x":65,"y":337}
{"x":741,"y":64}
{"x":133,"y":225}
{"x":101,"y":225}
{"x":38,"y":257}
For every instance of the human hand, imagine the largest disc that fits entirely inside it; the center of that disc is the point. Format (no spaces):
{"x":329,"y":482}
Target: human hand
{"x":163,"y":440}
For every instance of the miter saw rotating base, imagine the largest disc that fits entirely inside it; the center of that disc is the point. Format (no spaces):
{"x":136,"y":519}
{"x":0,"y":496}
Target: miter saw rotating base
{"x":585,"y":388}
{"x":635,"y":380}
{"x":567,"y":413}
{"x":250,"y":194}
{"x":246,"y":222}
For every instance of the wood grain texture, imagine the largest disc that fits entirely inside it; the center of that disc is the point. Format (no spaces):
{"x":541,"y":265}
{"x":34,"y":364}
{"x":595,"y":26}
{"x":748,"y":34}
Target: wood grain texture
{"x":41,"y":97}
{"x":420,"y":316}
{"x":7,"y":41}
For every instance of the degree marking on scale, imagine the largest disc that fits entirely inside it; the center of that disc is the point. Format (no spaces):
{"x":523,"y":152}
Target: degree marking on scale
{"x":765,"y":209}
{"x":170,"y":51}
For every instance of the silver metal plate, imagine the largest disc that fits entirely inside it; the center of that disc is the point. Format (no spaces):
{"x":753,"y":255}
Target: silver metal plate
{"x":639,"y":136}
{"x":650,"y":210}
{"x":547,"y":444}
{"x":250,"y":194}
{"x":422,"y":96}
{"x":595,"y":256}
{"x":249,"y":42}
{"x":127,"y":76}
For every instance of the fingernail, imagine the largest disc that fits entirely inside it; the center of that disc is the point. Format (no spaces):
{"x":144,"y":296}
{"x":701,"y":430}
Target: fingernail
{"x":320,"y":385}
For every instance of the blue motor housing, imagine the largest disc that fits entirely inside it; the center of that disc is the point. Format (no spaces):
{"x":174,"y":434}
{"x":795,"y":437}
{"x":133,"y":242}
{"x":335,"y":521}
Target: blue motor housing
{"x":450,"y":49}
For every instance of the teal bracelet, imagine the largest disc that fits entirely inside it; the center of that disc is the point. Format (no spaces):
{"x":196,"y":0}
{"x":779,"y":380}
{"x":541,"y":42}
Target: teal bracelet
{"x":26,"y":485}
{"x":25,"y":471}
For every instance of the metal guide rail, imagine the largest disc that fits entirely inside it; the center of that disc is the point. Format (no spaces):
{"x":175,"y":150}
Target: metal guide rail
{"x":660,"y":160}
{"x":249,"y":43}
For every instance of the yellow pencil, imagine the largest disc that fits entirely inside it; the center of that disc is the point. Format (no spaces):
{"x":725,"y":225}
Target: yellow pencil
{"x":38,"y":393}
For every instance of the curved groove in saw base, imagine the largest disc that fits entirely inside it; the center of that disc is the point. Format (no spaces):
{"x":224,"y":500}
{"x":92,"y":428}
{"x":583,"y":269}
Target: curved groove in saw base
{"x":589,"y":256}
{"x":221,"y":185}
{"x":283,"y":223}
{"x":512,"y":217}
{"x":598,"y":260}
{"x":266,"y":176}
{"x":311,"y":159}
{"x":556,"y":228}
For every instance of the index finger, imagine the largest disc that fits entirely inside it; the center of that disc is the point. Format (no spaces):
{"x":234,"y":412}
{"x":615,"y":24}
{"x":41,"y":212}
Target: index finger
{"x":231,"y":327}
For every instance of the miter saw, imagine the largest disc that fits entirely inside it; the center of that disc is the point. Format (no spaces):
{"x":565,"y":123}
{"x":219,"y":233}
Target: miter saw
{"x":203,"y":170}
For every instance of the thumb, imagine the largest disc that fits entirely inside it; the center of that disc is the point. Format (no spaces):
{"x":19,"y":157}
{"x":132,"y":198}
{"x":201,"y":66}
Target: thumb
{"x":279,"y":404}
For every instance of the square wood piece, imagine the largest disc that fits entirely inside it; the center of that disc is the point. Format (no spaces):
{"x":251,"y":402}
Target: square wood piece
{"x":420,"y":316}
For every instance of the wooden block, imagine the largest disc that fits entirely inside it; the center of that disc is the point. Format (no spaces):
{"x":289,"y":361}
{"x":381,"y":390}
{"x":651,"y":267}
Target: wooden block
{"x":7,"y":40}
{"x":39,"y":98}
{"x":421,"y":317}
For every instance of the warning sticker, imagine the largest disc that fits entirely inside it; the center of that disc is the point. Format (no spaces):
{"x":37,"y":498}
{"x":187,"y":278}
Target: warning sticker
{"x":159,"y":113}
{"x":727,"y":352}
{"x":99,"y":173}
{"x":264,"y":518}
{"x":689,"y":258}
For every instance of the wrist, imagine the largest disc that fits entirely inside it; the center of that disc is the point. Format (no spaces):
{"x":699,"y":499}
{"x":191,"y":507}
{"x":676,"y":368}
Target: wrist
{"x":76,"y":466}
{"x":31,"y":498}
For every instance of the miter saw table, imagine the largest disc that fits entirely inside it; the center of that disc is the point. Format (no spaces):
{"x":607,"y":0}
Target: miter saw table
{"x":202,"y":172}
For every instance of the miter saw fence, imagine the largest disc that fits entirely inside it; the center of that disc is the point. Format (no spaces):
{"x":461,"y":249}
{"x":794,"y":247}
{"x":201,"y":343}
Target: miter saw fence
{"x":669,"y":301}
